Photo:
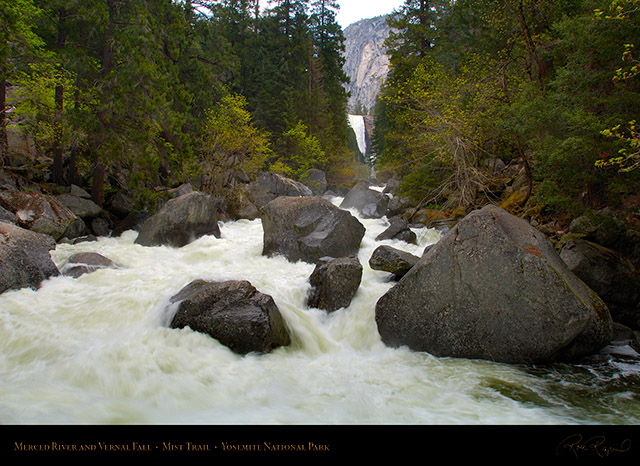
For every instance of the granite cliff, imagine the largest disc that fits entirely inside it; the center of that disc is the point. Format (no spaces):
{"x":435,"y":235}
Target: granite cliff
{"x":366,"y":61}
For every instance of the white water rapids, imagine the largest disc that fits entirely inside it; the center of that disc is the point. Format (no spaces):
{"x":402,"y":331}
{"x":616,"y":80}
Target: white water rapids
{"x":96,"y":350}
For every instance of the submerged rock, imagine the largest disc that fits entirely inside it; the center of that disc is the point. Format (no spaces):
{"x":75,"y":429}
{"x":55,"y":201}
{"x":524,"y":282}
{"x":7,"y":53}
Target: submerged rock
{"x":24,"y":258}
{"x":234,"y":313}
{"x":398,"y":229}
{"x":308,"y":229}
{"x":181,"y":221}
{"x":334,"y":283}
{"x":85,"y":262}
{"x":392,"y":260}
{"x":494,"y":288}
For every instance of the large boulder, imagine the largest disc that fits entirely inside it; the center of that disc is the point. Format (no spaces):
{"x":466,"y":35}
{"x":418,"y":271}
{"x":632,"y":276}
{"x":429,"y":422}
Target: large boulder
{"x":370,"y":203}
{"x":392,"y":260}
{"x":38,"y":212}
{"x":25,"y":260}
{"x":181,"y":221}
{"x":232,"y":312}
{"x":334,"y":283}
{"x":494,"y":288}
{"x":309,"y":228}
{"x":270,"y":186}
{"x":85,"y":262}
{"x":81,"y":207}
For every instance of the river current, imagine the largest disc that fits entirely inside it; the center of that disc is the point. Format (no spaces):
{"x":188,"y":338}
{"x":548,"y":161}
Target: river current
{"x":97,"y":350}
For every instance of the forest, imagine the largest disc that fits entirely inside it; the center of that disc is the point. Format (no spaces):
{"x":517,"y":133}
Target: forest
{"x":139,"y":94}
{"x":549,"y":87}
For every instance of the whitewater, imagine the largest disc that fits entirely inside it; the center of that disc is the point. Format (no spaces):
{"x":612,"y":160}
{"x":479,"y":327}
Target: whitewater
{"x":98,"y":350}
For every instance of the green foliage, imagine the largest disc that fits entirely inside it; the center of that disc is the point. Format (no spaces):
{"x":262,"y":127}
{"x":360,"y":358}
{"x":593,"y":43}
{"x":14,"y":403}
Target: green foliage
{"x":232,"y":144}
{"x":298,"y":153}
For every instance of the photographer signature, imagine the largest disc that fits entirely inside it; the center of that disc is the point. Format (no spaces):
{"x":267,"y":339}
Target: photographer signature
{"x":597,"y":445}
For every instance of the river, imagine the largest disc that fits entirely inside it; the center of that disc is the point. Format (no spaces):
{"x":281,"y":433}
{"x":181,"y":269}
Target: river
{"x":97,"y":350}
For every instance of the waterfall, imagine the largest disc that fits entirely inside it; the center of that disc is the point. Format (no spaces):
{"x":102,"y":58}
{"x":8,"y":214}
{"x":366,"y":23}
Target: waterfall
{"x":357,"y":123}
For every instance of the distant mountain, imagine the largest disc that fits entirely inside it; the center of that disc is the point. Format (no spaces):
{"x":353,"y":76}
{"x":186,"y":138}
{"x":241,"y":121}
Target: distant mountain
{"x":367,"y":63}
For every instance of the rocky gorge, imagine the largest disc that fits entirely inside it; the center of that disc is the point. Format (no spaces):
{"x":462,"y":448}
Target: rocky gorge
{"x":493,"y":287}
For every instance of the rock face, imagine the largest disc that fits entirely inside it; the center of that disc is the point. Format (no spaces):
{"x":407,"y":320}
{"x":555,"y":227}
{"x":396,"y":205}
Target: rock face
{"x":370,"y":203}
{"x":605,"y":271}
{"x":24,"y":258}
{"x":392,"y":260}
{"x":270,"y":186}
{"x":366,"y":61}
{"x":38,"y":212}
{"x":232,"y":312}
{"x":85,"y":262}
{"x":308,"y":229}
{"x":181,"y":221}
{"x":334,"y":283}
{"x":494,"y":288}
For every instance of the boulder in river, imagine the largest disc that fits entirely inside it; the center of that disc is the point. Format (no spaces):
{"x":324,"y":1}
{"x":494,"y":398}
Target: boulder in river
{"x":234,"y":313}
{"x":270,"y":186}
{"x":38,"y":212}
{"x":308,"y":229}
{"x":392,"y":260}
{"x":494,"y":288}
{"x":81,"y":207}
{"x":370,"y":203}
{"x":334,"y":283}
{"x":181,"y":221}
{"x":85,"y":262}
{"x":24,"y":258}
{"x":398,"y":229}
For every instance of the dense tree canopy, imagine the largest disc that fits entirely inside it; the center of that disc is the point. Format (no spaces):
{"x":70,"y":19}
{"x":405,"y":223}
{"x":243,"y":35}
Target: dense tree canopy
{"x":134,"y":94}
{"x":550,"y":85}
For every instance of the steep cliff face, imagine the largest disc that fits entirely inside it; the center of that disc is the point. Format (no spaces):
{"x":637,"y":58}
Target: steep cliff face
{"x":366,"y":61}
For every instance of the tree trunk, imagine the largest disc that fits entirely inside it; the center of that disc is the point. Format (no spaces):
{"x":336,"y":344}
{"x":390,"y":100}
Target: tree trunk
{"x":4,"y":142}
{"x":97,"y":187}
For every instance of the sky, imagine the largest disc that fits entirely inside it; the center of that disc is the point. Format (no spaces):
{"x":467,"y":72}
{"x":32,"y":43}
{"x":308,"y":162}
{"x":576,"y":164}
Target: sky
{"x":355,"y":10}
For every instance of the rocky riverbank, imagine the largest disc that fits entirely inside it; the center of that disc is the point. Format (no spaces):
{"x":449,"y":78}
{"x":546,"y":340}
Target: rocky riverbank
{"x":494,"y":287}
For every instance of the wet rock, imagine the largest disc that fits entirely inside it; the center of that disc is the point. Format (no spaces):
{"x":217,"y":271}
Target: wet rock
{"x":494,"y":288}
{"x":85,"y":262}
{"x":370,"y":203}
{"x":270,"y":186}
{"x":181,"y":221}
{"x":38,"y":212}
{"x":392,"y":260}
{"x":234,"y":313}
{"x":334,"y":283}
{"x":309,"y":228}
{"x":100,"y":226}
{"x":398,"y":229}
{"x":24,"y":258}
